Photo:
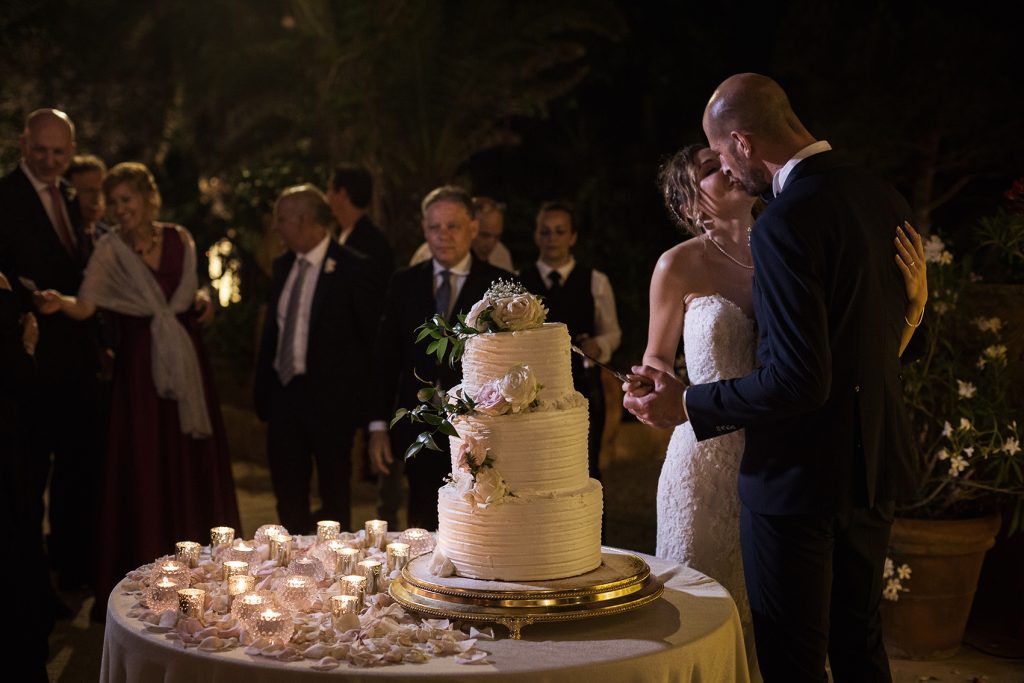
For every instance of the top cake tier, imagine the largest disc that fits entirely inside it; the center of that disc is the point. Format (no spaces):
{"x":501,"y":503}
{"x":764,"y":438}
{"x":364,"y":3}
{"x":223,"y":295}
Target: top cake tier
{"x":545,"y":350}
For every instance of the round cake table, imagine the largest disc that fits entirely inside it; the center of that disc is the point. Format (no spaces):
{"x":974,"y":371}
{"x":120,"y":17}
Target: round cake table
{"x":691,"y":633}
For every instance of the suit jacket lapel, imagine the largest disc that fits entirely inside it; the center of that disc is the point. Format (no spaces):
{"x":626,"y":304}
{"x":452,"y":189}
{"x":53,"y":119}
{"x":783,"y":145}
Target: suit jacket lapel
{"x":330,"y":263}
{"x":45,"y":230}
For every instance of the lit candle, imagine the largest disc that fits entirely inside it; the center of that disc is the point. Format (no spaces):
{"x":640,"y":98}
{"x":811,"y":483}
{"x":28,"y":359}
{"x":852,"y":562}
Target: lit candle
{"x":281,"y":549}
{"x":348,"y":558}
{"x":176,"y":570}
{"x":376,"y":531}
{"x":238,"y":584}
{"x":220,"y":536}
{"x":187,"y":552}
{"x":420,"y":541}
{"x":162,"y":593}
{"x":273,"y":624}
{"x":297,"y":592}
{"x":398,"y":556}
{"x":190,"y":603}
{"x":268,"y":531}
{"x":371,"y":570}
{"x":243,"y":550}
{"x":327,"y":530}
{"x":308,"y":566}
{"x":247,"y":605}
{"x":234,"y":568}
{"x":345,"y":611}
{"x":354,"y":585}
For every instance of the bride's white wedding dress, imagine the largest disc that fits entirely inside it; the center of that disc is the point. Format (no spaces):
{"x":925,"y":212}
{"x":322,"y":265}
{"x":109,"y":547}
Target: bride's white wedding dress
{"x":698,"y":503}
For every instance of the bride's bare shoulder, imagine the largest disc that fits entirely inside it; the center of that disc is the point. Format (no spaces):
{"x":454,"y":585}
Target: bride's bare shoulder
{"x":682,"y":261}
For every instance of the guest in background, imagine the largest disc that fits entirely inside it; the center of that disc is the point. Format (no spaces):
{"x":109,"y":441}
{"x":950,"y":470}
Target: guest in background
{"x":19,"y":335}
{"x":349,"y":193}
{"x":312,"y":370}
{"x":42,"y":246}
{"x":86,"y":173}
{"x":168,"y":475}
{"x":451,"y":281}
{"x":487,"y":246}
{"x":582,"y":298}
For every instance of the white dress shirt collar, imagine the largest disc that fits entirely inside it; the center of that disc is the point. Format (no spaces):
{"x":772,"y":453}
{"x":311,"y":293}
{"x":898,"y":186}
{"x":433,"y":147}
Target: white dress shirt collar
{"x":564,"y":270}
{"x":461,"y":268}
{"x":315,"y":256}
{"x":780,"y":177}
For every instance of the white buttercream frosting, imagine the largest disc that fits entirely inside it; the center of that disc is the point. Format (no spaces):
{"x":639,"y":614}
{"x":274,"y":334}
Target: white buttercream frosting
{"x":545,"y":350}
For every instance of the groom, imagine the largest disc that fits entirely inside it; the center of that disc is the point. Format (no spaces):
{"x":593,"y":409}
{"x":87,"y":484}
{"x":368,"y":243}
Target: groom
{"x":826,"y":440}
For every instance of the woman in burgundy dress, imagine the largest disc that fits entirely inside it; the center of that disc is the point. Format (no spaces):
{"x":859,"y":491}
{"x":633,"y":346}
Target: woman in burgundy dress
{"x":167,"y":474}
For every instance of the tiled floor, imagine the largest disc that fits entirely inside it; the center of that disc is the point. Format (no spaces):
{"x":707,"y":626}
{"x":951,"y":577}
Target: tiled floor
{"x":76,"y":645}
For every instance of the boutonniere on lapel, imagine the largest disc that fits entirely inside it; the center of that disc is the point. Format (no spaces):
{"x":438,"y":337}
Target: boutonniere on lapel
{"x":329,"y":265}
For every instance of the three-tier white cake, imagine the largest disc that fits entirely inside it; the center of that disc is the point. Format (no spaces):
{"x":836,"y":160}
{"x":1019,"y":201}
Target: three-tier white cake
{"x":520,"y":504}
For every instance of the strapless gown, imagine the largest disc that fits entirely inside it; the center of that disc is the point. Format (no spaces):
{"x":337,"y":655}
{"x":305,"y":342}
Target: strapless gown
{"x":698,"y":503}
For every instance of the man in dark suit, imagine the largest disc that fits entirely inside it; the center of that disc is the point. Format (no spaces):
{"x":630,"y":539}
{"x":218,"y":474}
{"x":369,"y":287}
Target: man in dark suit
{"x":43,"y":247}
{"x":349,"y":193}
{"x":449,"y":283}
{"x":826,"y":437}
{"x":311,"y":374}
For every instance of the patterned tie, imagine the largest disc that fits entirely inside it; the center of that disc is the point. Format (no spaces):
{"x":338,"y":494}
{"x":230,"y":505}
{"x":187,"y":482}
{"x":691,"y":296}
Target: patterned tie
{"x":556,"y":280}
{"x":443,"y":297}
{"x":286,"y":354}
{"x":57,"y":201}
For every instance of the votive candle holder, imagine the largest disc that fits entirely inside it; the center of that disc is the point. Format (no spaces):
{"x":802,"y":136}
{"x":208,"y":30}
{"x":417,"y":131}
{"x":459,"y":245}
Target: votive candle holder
{"x":220,"y":536}
{"x":420,"y":541}
{"x":191,"y":602}
{"x":297,"y":592}
{"x":162,"y":593}
{"x":345,"y":612}
{"x":187,"y":552}
{"x":371,"y":570}
{"x":354,"y":585}
{"x":267,"y":531}
{"x":398,"y":556}
{"x":234,"y":568}
{"x":244,"y":551}
{"x":348,"y":560}
{"x":281,"y":549}
{"x":274,"y":623}
{"x":247,"y":605}
{"x":238,"y":584}
{"x":376,"y":532}
{"x":327,"y":530}
{"x":307,"y":566}
{"x":175,"y":569}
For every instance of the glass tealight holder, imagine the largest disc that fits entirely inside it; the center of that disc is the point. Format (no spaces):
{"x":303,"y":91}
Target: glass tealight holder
{"x":265,"y":532}
{"x":345,"y":612}
{"x":398,"y":556}
{"x":162,"y":593}
{"x":191,"y":602}
{"x":175,"y":569}
{"x":348,"y":560}
{"x":220,"y":536}
{"x":238,"y":584}
{"x":327,"y":530}
{"x":354,"y":585}
{"x":371,"y":570}
{"x":272,"y":622}
{"x":244,"y":551}
{"x":187,"y":552}
{"x":246,"y":605}
{"x":328,"y":554}
{"x":234,"y":568}
{"x":281,"y":549}
{"x":376,"y":533}
{"x":307,"y":566}
{"x":297,"y":592}
{"x":420,"y":541}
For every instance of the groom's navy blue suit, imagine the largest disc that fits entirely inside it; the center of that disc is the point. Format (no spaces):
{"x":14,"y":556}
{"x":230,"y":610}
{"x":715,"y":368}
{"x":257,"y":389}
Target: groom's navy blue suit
{"x":826,"y":440}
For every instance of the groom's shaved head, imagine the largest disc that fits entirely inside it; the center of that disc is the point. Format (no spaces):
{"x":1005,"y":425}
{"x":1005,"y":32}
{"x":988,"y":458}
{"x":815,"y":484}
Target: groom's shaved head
{"x":752,"y":103}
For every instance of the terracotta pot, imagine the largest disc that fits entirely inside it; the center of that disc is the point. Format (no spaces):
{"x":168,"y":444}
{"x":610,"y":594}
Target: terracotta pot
{"x":945,"y":558}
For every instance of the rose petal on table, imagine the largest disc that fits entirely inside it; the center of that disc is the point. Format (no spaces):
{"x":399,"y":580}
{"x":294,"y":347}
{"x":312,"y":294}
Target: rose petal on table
{"x":440,"y":624}
{"x":211,"y":644}
{"x":315,"y":651}
{"x":472,"y":657}
{"x":326,"y":664}
{"x":482,"y":633}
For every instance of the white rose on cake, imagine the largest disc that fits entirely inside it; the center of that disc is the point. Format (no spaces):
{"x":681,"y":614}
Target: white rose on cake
{"x":518,"y":312}
{"x":489,"y":487}
{"x":519,"y":387}
{"x":473,"y":319}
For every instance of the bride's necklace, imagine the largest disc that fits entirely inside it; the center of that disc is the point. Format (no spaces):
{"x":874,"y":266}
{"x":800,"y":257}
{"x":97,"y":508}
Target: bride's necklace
{"x":726,"y":254}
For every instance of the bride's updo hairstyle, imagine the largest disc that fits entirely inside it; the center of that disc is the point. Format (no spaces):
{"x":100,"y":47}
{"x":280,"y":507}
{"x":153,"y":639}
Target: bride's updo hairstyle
{"x":680,"y":188}
{"x":138,"y":177}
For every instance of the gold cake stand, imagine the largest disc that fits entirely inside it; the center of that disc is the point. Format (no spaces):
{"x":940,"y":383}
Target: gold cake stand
{"x":623,"y":582}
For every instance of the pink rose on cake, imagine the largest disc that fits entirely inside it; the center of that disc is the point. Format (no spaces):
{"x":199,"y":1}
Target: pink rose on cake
{"x":472,"y":455}
{"x":518,"y":312}
{"x":519,"y":387}
{"x":490,"y":401}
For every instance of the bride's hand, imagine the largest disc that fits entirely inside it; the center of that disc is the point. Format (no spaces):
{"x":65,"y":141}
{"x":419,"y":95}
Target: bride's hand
{"x":637,"y":385}
{"x":661,"y":406}
{"x":910,"y":261}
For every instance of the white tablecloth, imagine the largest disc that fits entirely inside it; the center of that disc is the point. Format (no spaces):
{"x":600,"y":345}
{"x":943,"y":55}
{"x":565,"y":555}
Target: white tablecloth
{"x":691,"y":633}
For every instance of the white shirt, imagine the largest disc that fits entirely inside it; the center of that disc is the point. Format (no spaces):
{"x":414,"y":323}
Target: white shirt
{"x":315,"y":258}
{"x":500,"y":256}
{"x":43,"y":190}
{"x":780,"y":177}
{"x":459,"y":273}
{"x":607,"y":333}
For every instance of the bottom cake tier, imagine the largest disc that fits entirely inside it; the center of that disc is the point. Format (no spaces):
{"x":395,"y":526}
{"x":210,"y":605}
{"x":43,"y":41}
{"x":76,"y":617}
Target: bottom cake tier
{"x":522,"y":538}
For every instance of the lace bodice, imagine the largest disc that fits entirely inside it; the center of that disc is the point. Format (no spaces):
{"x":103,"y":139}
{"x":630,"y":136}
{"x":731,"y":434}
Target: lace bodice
{"x":718,"y":340}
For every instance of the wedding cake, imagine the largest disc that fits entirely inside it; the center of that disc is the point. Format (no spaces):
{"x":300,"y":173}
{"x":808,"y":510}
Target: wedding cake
{"x":520,"y":504}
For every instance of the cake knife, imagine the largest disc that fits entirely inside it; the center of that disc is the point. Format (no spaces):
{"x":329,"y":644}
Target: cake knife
{"x":618,"y":375}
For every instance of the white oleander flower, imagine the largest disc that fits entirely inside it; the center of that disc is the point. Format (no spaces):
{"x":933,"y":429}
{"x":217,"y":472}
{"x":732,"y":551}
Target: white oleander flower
{"x":903,"y":572}
{"x":995,"y":352}
{"x":957,"y":464}
{"x":942,"y":454}
{"x":1011,"y":446}
{"x":888,"y":570}
{"x":966,"y":389}
{"x":965,"y":424}
{"x":934,"y":248}
{"x":988,"y":324}
{"x":947,"y":429}
{"x":518,"y":312}
{"x":519,"y":387}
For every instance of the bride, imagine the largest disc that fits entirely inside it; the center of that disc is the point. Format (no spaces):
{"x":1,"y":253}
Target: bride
{"x":701,"y":292}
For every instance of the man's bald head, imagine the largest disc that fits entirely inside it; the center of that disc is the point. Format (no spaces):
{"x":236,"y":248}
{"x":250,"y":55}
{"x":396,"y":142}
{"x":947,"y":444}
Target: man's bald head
{"x":755,"y":104}
{"x":302,"y":217}
{"x":47,"y":143}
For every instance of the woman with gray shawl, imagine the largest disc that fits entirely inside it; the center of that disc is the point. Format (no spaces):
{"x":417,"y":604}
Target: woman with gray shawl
{"x":167,"y":475}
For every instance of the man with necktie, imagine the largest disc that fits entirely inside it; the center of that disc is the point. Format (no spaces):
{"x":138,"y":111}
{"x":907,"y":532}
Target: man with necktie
{"x":448,"y":283}
{"x":311,"y":374}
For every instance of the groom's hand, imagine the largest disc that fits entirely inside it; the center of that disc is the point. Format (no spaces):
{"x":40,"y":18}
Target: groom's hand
{"x":655,"y":397}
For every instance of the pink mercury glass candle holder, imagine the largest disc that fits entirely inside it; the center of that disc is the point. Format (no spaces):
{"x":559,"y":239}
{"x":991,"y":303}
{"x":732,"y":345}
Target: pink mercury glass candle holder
{"x":356,"y":586}
{"x":246,"y":605}
{"x":244,"y":551}
{"x":345,"y":612}
{"x":162,"y":593}
{"x":398,"y":556}
{"x":274,"y":623}
{"x":297,"y":592}
{"x":265,"y":532}
{"x":420,"y":541}
{"x":376,"y":533}
{"x":175,"y":569}
{"x":307,"y":566}
{"x":327,"y":530}
{"x":187,"y":552}
{"x":191,"y":602}
{"x":328,"y":554}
